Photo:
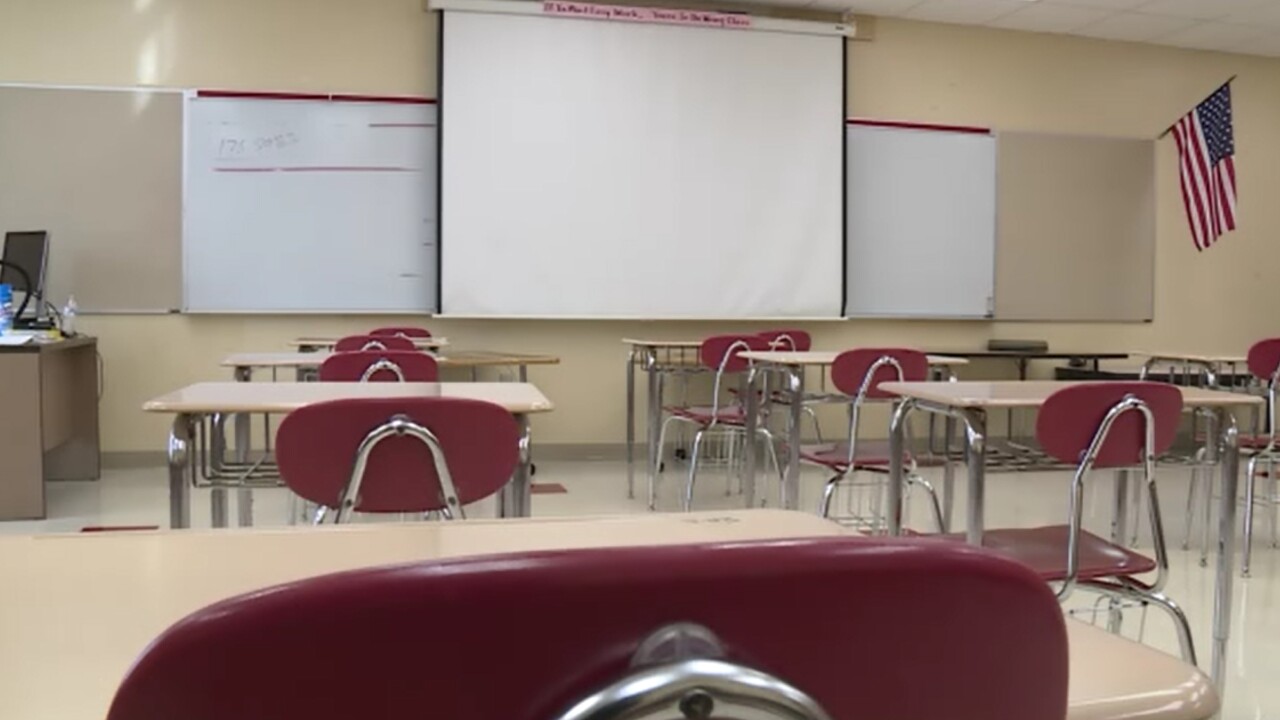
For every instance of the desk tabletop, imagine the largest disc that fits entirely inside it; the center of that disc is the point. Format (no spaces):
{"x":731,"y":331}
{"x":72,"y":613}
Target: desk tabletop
{"x":1032,"y":393}
{"x":77,"y":609}
{"x":1203,"y":358}
{"x":269,"y":397}
{"x":827,"y":357}
{"x":454,"y":358}
{"x":328,"y":341}
{"x":1034,"y":354}
{"x":635,"y":342}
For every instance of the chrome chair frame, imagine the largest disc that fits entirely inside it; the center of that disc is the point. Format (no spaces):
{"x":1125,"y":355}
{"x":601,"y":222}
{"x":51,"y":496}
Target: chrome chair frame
{"x":1124,"y":588}
{"x":1268,"y":454}
{"x":805,"y":407}
{"x":701,"y":432}
{"x":380,"y":365}
{"x":855,"y":409}
{"x":693,"y":681}
{"x":397,"y":426}
{"x":373,"y":345}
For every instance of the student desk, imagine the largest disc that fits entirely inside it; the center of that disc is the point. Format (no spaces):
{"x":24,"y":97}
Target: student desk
{"x":969,"y":402}
{"x":791,"y":365}
{"x":244,"y":364}
{"x":314,"y":343}
{"x":1210,"y":365}
{"x":48,"y":420}
{"x":82,"y":607}
{"x":196,"y":405}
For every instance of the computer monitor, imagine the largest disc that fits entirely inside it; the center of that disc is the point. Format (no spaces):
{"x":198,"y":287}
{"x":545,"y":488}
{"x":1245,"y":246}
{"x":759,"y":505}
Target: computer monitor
{"x":28,"y":250}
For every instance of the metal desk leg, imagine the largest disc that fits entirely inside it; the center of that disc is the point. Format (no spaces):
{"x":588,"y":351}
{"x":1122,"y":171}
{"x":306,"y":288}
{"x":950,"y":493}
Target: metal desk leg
{"x":976,"y":460}
{"x":791,"y":487}
{"x":1213,"y":425}
{"x":897,"y":442}
{"x":1119,"y":529}
{"x":180,"y":470}
{"x":750,"y":429}
{"x":654,"y":422}
{"x":1226,"y":547}
{"x":631,"y":424}
{"x":948,"y":473}
{"x":244,"y":496}
{"x":515,"y":498}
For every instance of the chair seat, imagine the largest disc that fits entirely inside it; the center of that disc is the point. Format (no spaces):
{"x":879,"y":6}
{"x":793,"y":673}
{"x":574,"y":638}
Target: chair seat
{"x":1044,"y":549}
{"x":705,"y":414}
{"x":1115,"y":677}
{"x":871,"y":454}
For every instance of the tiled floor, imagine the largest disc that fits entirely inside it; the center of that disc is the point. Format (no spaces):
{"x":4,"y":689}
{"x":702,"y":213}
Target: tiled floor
{"x":139,"y":497}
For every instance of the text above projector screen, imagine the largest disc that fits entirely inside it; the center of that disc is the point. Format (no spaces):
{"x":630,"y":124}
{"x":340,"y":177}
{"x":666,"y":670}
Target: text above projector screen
{"x":612,"y":169}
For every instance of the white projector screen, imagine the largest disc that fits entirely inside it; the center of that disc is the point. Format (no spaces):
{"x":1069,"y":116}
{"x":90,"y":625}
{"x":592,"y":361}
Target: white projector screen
{"x":607,"y":169}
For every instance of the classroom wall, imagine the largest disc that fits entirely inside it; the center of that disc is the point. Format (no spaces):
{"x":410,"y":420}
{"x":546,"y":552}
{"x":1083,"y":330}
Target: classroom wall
{"x":1219,"y":300}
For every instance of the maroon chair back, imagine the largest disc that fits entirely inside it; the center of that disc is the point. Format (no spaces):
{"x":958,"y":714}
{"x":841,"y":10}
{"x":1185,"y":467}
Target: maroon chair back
{"x":1069,"y":419}
{"x":356,"y":343}
{"x":715,"y":349}
{"x":316,"y":448}
{"x":1264,"y":358}
{"x":404,"y":332}
{"x":851,"y":367}
{"x":868,"y":628}
{"x":413,"y":366}
{"x":795,"y":340}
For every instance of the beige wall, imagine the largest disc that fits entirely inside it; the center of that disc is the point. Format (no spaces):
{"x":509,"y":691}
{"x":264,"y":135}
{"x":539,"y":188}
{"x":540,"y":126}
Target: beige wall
{"x":1215,"y":301}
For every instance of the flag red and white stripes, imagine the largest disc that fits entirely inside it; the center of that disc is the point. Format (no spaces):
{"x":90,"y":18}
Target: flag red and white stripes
{"x":1206,"y":157}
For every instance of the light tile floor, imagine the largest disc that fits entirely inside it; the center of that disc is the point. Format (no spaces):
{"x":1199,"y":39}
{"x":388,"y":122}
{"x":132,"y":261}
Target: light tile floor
{"x":139,"y":497}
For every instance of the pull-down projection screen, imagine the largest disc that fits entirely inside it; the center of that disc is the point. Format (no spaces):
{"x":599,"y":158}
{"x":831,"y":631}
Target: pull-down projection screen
{"x":596,"y":168}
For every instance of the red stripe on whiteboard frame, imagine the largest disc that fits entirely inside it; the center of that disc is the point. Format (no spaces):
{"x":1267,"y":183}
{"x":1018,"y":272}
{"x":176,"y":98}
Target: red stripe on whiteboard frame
{"x":865,"y":122}
{"x":332,"y":97}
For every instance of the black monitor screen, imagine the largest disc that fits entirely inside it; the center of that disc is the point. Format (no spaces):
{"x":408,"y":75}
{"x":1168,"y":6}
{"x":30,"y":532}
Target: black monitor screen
{"x":26,"y":250}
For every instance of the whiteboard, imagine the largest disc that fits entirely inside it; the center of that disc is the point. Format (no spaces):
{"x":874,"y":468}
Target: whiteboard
{"x":309,"y":205}
{"x":921,"y":217}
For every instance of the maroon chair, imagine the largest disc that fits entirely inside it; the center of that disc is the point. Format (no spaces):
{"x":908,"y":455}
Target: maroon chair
{"x":858,"y":374}
{"x":1264,"y":364}
{"x":838,"y":628}
{"x":1098,"y":426}
{"x":356,"y":343}
{"x":393,"y":455}
{"x":379,"y":366}
{"x":404,"y":332}
{"x":721,"y":354}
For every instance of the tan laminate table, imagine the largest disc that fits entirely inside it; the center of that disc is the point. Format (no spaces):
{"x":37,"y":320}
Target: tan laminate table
{"x":244,"y":364}
{"x":969,"y":402}
{"x":311,"y":343}
{"x":191,"y":405}
{"x":792,"y":364}
{"x":80,"y":608}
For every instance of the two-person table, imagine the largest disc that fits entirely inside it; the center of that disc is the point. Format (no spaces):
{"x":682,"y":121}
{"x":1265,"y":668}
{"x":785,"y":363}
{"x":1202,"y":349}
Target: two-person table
{"x":243,"y":365}
{"x":969,"y":403}
{"x":195,"y":406}
{"x":80,"y":608}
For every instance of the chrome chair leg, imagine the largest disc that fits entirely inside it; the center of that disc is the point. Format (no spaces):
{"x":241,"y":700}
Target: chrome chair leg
{"x":936,"y":506}
{"x":321,"y":512}
{"x":693,"y":469}
{"x":1193,"y":490}
{"x":1250,"y":490}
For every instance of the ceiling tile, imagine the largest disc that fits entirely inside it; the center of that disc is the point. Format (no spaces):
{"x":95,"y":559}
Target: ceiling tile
{"x":964,"y":11}
{"x":1043,"y":17}
{"x":1214,"y":36}
{"x":1268,"y":44}
{"x":1102,"y":4}
{"x":1134,"y":27}
{"x":1265,"y":13}
{"x":1194,"y":9}
{"x":874,"y":7}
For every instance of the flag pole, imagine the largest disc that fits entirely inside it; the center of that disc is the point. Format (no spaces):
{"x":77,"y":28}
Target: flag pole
{"x":1171,"y":127}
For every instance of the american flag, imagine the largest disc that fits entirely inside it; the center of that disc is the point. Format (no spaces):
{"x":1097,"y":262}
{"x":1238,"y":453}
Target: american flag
{"x":1206,"y":155}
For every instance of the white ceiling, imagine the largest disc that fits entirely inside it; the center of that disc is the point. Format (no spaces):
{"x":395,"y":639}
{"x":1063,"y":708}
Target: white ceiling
{"x":1241,"y":26}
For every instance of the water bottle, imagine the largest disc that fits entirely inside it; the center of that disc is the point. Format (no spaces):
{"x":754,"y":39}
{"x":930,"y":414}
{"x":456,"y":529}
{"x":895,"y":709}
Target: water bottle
{"x":6,"y":309}
{"x":69,"y":316}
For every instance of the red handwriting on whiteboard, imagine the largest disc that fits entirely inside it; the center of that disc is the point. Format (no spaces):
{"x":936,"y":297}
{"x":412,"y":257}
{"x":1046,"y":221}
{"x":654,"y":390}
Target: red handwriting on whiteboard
{"x":702,"y":18}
